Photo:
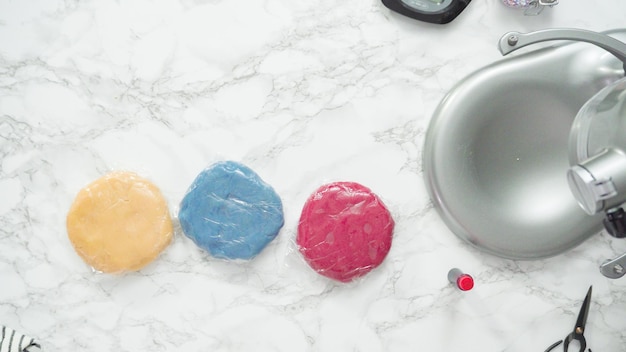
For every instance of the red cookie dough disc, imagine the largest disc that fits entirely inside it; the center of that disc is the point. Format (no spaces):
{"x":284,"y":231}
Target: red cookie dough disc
{"x":345,"y":231}
{"x":119,"y":222}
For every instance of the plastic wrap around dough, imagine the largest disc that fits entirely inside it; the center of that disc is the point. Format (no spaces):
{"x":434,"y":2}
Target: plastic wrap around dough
{"x":231,"y":212}
{"x":119,"y":223}
{"x":345,"y":231}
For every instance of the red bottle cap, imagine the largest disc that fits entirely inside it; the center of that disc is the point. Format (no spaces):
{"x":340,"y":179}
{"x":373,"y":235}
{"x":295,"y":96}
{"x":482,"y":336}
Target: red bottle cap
{"x":465,"y":282}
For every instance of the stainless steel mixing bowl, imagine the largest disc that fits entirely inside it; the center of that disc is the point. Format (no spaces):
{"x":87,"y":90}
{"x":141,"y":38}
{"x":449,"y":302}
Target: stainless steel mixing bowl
{"x":496,"y":151}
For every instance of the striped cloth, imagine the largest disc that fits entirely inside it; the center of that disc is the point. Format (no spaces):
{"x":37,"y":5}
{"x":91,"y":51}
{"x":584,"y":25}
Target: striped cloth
{"x":12,"y":341}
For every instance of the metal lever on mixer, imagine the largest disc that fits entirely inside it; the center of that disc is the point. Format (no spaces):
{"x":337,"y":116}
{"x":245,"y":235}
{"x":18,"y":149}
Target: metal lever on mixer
{"x":514,"y":40}
{"x":614,"y":268}
{"x":615,"y":224}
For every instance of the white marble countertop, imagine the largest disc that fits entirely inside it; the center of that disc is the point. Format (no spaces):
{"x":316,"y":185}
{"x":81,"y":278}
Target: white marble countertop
{"x":304,"y":93}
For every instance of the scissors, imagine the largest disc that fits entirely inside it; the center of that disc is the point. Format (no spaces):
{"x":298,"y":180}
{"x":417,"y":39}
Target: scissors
{"x":579,"y":328}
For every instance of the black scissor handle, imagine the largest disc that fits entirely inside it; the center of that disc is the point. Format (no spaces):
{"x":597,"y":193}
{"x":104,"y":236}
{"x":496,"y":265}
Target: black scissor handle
{"x":552,"y":346}
{"x":574,"y":336}
{"x":564,"y":348}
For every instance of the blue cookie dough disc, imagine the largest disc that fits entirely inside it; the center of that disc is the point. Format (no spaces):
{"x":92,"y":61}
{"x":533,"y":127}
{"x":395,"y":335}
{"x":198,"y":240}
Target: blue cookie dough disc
{"x":231,"y":212}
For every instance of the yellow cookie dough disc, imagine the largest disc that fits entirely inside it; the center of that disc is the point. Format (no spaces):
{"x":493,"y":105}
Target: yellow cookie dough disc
{"x":119,"y":223}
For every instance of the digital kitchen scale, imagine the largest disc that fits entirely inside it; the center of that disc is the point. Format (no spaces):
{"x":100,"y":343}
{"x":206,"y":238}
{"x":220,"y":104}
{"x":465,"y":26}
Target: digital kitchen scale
{"x":433,"y":11}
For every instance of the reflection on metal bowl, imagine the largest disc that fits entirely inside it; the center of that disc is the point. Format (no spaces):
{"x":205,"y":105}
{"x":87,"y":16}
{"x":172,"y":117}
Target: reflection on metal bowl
{"x":496,"y":151}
